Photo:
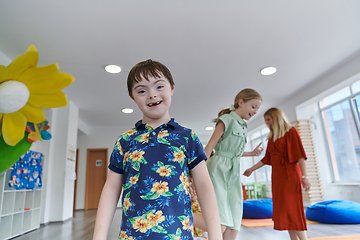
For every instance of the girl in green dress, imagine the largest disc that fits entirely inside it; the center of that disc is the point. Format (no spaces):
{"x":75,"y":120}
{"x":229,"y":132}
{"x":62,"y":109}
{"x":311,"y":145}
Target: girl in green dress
{"x":228,"y":140}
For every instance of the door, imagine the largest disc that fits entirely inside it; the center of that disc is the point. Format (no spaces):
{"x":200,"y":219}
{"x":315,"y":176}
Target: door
{"x":76,"y":174}
{"x":96,"y":172}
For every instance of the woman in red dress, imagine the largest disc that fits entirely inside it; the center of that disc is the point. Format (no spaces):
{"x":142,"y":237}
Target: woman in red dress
{"x":285,"y":153}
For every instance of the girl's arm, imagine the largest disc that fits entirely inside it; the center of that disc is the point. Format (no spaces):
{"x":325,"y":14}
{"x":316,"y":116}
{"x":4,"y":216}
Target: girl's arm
{"x":207,"y":199}
{"x":107,"y":205}
{"x":256,"y":152}
{"x":249,"y":171}
{"x":218,"y":132}
{"x":305,"y":181}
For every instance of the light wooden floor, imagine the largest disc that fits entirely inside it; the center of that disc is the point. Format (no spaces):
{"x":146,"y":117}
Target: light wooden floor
{"x":82,"y":226}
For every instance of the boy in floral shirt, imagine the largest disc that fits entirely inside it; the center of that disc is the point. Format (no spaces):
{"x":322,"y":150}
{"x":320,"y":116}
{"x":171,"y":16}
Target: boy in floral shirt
{"x":151,"y":164}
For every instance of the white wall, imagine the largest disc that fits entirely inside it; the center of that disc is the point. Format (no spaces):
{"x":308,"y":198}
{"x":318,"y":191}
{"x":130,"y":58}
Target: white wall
{"x":44,"y":148}
{"x":98,"y":137}
{"x":57,"y":190}
{"x":4,"y":60}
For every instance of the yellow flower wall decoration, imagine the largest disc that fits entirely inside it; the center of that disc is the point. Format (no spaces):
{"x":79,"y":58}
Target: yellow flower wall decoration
{"x":25,"y":90}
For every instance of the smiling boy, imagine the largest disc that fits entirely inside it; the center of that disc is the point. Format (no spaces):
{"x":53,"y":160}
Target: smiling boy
{"x":151,"y":164}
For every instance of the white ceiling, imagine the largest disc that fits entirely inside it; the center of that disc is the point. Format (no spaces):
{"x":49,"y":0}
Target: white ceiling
{"x":213,"y":48}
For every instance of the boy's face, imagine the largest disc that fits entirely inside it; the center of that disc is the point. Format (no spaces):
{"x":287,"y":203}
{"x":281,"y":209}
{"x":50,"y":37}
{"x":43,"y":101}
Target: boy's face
{"x":153,"y":98}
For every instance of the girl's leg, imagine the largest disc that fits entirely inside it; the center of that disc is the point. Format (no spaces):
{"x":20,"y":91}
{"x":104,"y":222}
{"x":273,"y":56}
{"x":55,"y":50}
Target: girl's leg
{"x":223,"y":228}
{"x":230,"y":234}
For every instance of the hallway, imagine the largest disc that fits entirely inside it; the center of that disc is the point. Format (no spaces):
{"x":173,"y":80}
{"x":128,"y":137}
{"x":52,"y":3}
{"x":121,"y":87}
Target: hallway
{"x":82,"y":227}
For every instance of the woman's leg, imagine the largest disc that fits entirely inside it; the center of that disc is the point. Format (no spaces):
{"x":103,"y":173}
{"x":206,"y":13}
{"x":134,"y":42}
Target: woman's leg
{"x":301,"y":235}
{"x":293,"y":235}
{"x":297,"y":235}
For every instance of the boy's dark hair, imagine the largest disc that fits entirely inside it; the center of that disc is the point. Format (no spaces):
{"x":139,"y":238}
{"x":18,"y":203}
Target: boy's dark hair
{"x":146,"y":69}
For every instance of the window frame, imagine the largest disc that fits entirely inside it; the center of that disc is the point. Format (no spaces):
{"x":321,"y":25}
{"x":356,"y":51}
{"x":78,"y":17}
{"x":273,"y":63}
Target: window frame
{"x":356,"y":117}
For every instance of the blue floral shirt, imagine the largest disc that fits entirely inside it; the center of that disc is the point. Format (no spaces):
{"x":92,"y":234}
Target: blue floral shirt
{"x":156,"y":200}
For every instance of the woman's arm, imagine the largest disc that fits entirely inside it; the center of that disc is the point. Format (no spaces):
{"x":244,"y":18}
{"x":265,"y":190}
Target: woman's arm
{"x":207,"y":199}
{"x":249,"y":171}
{"x":305,"y":180}
{"x":218,"y":132}
{"x":107,"y":205}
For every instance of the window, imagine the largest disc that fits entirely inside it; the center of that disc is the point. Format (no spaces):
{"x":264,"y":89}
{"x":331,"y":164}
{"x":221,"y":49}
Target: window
{"x":262,"y":174}
{"x":341,"y":118}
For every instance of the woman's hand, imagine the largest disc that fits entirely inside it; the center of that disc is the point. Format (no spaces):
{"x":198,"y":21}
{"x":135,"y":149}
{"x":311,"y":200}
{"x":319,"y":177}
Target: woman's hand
{"x":306,"y":184}
{"x":248,"y":172}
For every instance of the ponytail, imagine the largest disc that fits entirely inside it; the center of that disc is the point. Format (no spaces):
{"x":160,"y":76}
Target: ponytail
{"x":222,"y":112}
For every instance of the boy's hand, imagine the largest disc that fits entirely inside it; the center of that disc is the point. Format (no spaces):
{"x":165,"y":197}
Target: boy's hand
{"x":248,"y":172}
{"x":258,"y":150}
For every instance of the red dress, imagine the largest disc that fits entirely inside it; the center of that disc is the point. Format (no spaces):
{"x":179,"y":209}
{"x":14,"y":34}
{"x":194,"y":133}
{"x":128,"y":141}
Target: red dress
{"x":282,"y":155}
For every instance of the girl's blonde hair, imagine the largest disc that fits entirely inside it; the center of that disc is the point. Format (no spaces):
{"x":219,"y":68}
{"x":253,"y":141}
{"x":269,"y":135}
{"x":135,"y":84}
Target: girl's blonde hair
{"x":246,"y":94}
{"x":280,"y":123}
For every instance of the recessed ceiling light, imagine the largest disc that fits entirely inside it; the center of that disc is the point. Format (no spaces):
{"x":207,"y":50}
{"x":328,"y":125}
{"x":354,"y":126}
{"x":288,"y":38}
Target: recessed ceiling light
{"x":127,"y":110}
{"x":209,"y":128}
{"x":268,"y":71}
{"x":113,"y":69}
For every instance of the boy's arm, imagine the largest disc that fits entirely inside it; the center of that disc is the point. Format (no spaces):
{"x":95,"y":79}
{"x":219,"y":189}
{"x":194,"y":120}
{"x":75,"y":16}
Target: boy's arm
{"x":206,"y":196}
{"x":218,"y":132}
{"x":107,"y":205}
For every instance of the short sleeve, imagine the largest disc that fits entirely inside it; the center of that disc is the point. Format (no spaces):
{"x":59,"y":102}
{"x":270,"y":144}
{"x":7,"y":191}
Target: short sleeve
{"x":116,"y":158}
{"x":223,"y":118}
{"x":266,"y":159}
{"x":196,"y":150}
{"x":294,"y":146}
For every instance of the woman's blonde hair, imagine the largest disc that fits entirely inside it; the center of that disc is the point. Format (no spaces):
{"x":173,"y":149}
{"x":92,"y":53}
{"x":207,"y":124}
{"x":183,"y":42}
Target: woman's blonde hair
{"x":246,"y":94}
{"x":280,"y":123}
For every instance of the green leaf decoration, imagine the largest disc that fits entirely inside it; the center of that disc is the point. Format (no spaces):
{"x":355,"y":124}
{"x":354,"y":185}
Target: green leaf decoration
{"x":182,"y":163}
{"x":183,"y":149}
{"x":10,"y":154}
{"x":163,"y":141}
{"x":127,"y":186}
{"x":181,"y":218}
{"x":130,"y":184}
{"x":178,"y":232}
{"x":179,"y":188}
{"x":159,"y":229}
{"x":150,"y":196}
{"x":126,"y":137}
{"x":167,"y":194}
{"x":140,"y":137}
{"x":132,"y":220}
{"x":179,"y":150}
{"x":173,"y":236}
{"x":193,"y":135}
{"x":136,"y":165}
{"x":175,"y":149}
{"x":124,"y":208}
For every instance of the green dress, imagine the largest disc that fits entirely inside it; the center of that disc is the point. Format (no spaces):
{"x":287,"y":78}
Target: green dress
{"x":224,"y":170}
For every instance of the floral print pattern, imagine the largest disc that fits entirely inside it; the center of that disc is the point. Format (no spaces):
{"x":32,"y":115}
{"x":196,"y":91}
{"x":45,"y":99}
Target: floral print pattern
{"x":156,"y":162}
